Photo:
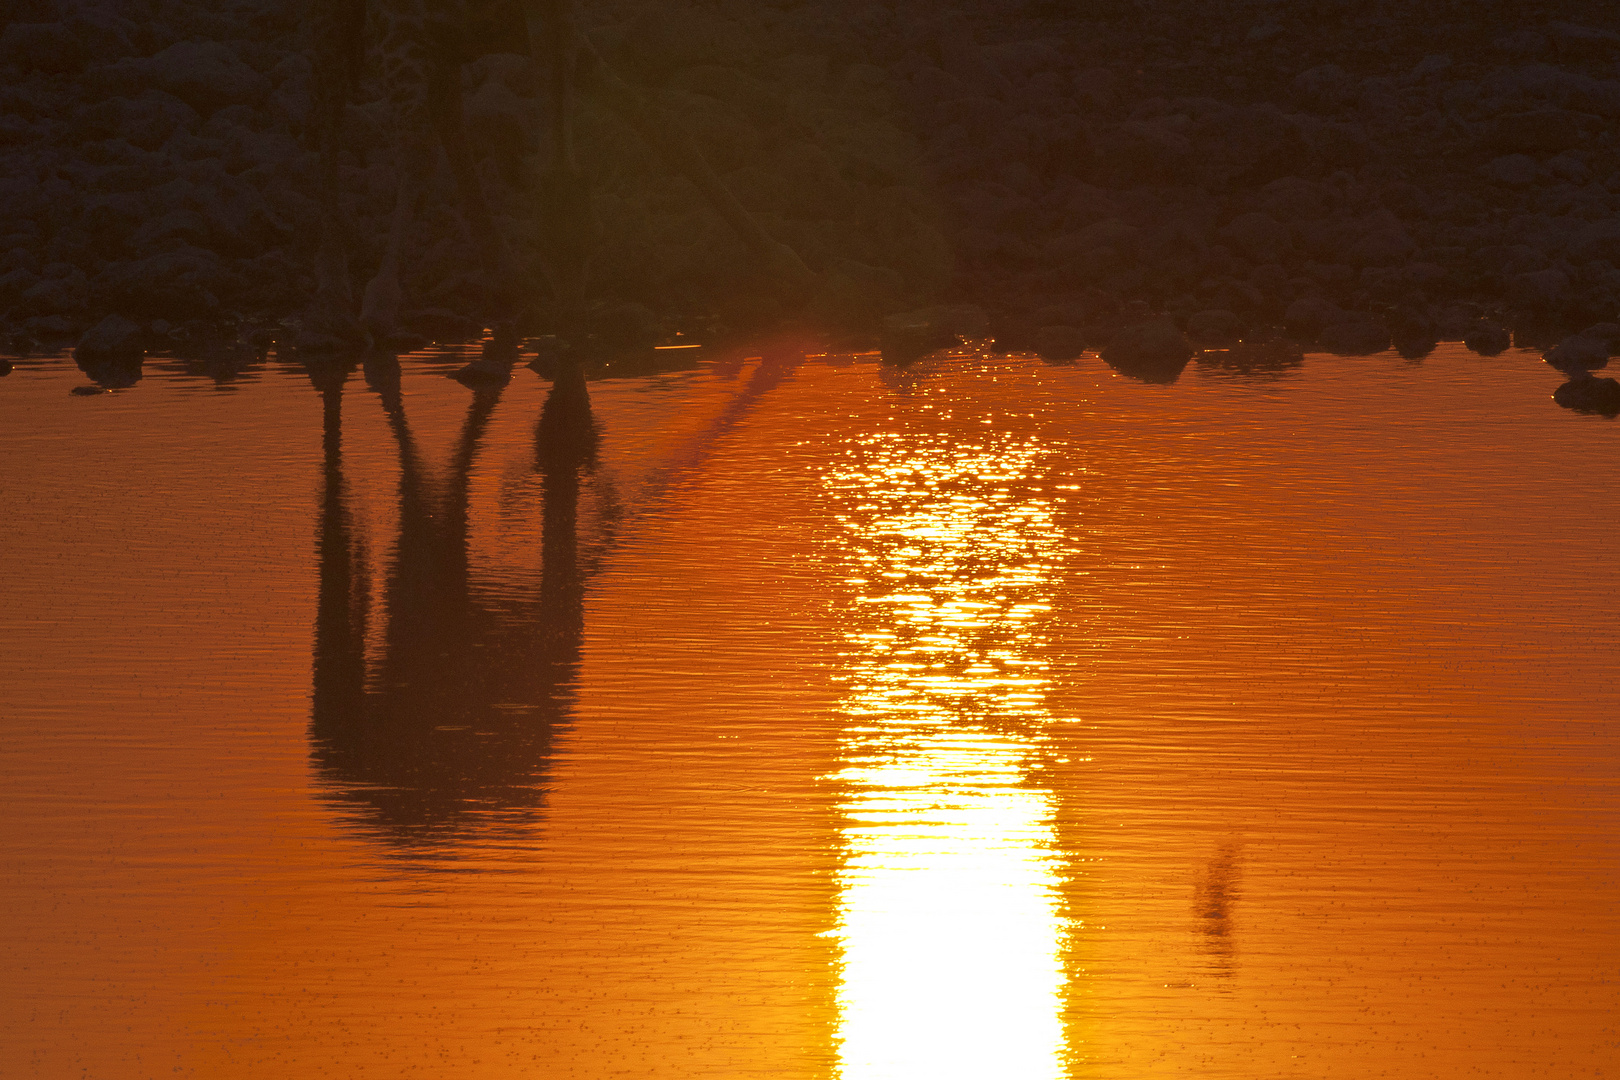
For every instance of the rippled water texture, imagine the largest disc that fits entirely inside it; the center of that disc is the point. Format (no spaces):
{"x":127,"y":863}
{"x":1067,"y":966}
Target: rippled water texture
{"x":986,"y":719}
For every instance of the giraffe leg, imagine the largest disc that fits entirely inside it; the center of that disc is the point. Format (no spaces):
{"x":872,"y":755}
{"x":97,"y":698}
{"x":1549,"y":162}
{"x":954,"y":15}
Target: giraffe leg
{"x":566,"y":219}
{"x":384,"y":298}
{"x":336,"y":46}
{"x":406,"y":52}
{"x":504,"y":283}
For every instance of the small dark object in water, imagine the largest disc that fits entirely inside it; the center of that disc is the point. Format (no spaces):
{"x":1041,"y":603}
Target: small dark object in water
{"x":1578,"y":354}
{"x":1059,"y":343}
{"x":1590,"y":395}
{"x":87,"y":391}
{"x":5,"y":368}
{"x":1488,"y":339}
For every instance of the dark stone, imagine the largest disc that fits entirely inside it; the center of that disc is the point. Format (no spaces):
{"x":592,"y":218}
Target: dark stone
{"x":1309,"y":315}
{"x":1590,"y":395}
{"x":1539,"y":291}
{"x":911,"y":335}
{"x":50,"y":48}
{"x":1414,"y":337}
{"x":1151,"y":351}
{"x":5,"y":368}
{"x":114,"y":339}
{"x":1356,"y":337}
{"x":1578,"y":354}
{"x":1059,"y":343}
{"x":182,"y":283}
{"x":1606,"y":332}
{"x":1214,"y":328}
{"x":1539,"y":131}
{"x":1488,"y":339}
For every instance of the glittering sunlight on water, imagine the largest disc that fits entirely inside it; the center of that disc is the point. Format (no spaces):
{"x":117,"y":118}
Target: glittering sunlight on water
{"x":949,"y":902}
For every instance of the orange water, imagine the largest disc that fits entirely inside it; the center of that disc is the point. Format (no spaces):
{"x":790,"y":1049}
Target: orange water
{"x":984,"y":719}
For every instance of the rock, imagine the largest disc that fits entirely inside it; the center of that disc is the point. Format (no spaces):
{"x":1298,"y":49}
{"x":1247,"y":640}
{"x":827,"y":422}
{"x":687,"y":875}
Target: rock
{"x":1578,"y":354}
{"x":206,"y":75}
{"x":50,"y":327}
{"x":178,"y":284}
{"x":1215,"y":328}
{"x":1326,"y":86}
{"x":1414,"y":338}
{"x":627,"y":326}
{"x":1430,"y":66}
{"x":1307,"y":316}
{"x":5,"y":367}
{"x":49,"y":48}
{"x":1059,"y":342}
{"x":1488,"y":339}
{"x":1590,"y":395}
{"x":1576,"y":41}
{"x":1152,"y":351}
{"x":87,"y":391}
{"x":1259,"y":236}
{"x":911,"y":335}
{"x":1515,"y":169}
{"x":1606,"y":332}
{"x":1539,"y":131}
{"x":1540,"y":290}
{"x":112,"y":340}
{"x":63,"y":292}
{"x":1355,"y":337}
{"x":1386,"y":247}
{"x":1522,"y":43}
{"x":1290,"y":198}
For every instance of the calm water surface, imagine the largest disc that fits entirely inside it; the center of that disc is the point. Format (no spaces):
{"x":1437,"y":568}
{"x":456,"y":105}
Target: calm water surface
{"x":987,"y":719}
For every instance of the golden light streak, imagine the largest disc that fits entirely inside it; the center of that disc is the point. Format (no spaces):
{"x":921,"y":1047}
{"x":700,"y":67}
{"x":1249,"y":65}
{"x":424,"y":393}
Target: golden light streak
{"x":949,"y":924}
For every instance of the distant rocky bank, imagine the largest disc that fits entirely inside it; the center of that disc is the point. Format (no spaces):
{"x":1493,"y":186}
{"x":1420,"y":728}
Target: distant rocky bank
{"x":1349,"y":172}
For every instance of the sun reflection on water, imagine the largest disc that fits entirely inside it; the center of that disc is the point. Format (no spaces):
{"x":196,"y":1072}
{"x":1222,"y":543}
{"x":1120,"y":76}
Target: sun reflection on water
{"x":949,"y":920}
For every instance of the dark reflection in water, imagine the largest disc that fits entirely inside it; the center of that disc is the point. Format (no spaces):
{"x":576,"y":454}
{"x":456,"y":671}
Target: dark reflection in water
{"x":448,"y":731}
{"x":1267,"y":358}
{"x":1213,"y":899}
{"x":1162,"y":371}
{"x":441,"y":727}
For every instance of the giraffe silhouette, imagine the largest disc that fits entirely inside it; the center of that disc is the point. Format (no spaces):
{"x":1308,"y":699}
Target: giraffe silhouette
{"x":423,"y":45}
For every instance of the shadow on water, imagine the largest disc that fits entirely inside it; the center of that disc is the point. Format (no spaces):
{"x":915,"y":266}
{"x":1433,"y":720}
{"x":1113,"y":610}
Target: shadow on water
{"x":441,"y":733}
{"x":1213,"y":899}
{"x":447,"y":733}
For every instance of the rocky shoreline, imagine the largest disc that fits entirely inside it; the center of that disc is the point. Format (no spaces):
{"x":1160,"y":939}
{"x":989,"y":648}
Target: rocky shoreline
{"x":1351,"y":174}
